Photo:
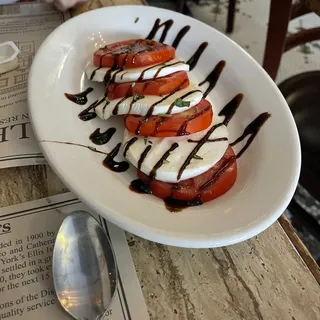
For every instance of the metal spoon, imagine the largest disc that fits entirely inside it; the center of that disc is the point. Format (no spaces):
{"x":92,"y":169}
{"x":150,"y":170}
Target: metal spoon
{"x":84,"y":267}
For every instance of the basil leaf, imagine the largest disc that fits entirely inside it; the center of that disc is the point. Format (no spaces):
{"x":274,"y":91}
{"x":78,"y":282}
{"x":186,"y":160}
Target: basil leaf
{"x":137,"y":19}
{"x":197,"y":157}
{"x":181,"y":104}
{"x":164,"y":115}
{"x":137,"y":97}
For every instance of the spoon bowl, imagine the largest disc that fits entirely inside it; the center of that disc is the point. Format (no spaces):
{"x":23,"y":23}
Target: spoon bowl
{"x":84,"y":267}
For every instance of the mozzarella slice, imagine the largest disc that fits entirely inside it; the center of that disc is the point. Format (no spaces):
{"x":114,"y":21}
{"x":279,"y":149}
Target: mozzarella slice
{"x":192,"y":93}
{"x":210,"y":152}
{"x":133,"y":74}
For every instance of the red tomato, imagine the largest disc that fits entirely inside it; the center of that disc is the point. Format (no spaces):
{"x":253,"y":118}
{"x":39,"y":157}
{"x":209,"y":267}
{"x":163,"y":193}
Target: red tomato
{"x":205,"y":187}
{"x":193,"y":120}
{"x":133,"y":53}
{"x":157,"y":87}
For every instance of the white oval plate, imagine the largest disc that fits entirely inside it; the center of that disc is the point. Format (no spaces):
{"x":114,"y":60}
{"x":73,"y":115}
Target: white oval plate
{"x":267,"y":172}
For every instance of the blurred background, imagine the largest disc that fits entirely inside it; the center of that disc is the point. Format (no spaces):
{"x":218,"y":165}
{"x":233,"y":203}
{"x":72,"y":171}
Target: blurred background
{"x":298,"y":77}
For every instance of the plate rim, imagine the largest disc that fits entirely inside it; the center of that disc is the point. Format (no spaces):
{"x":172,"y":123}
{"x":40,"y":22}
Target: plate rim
{"x":150,"y":233}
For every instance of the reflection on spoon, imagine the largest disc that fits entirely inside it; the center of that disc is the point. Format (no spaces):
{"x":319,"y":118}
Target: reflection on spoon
{"x":84,"y":267}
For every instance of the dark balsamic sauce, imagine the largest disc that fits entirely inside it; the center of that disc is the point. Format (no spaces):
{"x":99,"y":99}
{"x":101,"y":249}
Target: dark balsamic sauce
{"x":87,"y":114}
{"x":101,"y":138}
{"x":128,"y":145}
{"x":210,"y":140}
{"x":139,"y":186}
{"x":157,"y":25}
{"x":143,"y":156}
{"x":94,"y":73}
{"x":226,"y":165}
{"x":179,"y":36}
{"x":213,"y":77}
{"x":230,"y":109}
{"x":192,"y":62}
{"x":113,"y":165}
{"x":200,"y":143}
{"x":175,"y":205}
{"x":251,"y":130}
{"x":79,"y":98}
{"x":162,"y":160}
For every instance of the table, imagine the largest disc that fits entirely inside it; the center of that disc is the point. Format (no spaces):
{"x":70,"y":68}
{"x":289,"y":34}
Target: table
{"x":271,"y":276}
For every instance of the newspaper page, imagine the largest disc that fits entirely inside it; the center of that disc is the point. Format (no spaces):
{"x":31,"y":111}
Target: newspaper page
{"x":27,"y":235}
{"x":27,"y":25}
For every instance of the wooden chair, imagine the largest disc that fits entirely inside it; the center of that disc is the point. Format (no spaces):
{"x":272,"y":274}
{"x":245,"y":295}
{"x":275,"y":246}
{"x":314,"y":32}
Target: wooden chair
{"x":281,"y":12}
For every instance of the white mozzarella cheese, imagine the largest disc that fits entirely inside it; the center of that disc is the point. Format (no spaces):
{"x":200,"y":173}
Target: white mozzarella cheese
{"x":133,"y":74}
{"x":105,"y":109}
{"x":210,"y":152}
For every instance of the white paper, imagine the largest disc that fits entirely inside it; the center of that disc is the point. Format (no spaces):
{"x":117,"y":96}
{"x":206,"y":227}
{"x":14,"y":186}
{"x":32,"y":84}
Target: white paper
{"x":27,"y":234}
{"x":27,"y":25}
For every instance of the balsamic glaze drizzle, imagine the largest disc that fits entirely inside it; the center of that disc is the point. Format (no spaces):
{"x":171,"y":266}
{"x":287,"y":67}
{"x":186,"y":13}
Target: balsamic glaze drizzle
{"x":252,"y":129}
{"x":218,"y":174}
{"x":179,"y":36}
{"x":79,"y":98}
{"x":87,"y":114}
{"x":162,"y":160}
{"x":128,"y":145}
{"x":113,"y":165}
{"x":101,"y":138}
{"x":175,"y":205}
{"x":139,"y":186}
{"x":94,"y":73}
{"x":143,"y":156}
{"x":200,"y":143}
{"x":157,"y":25}
{"x":210,"y":140}
{"x":192,"y":62}
{"x":230,"y":109}
{"x":213,"y":77}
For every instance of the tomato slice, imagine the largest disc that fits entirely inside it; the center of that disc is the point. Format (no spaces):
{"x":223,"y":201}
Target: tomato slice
{"x":205,"y":187}
{"x":157,"y":87}
{"x":193,"y":120}
{"x":133,"y":53}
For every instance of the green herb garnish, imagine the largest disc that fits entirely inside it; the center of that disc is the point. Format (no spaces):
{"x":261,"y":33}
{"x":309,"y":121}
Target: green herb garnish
{"x":181,"y":104}
{"x":197,"y":157}
{"x":149,"y":48}
{"x":145,"y":140}
{"x":165,"y":115}
{"x":136,"y":20}
{"x":166,"y":161}
{"x":137,"y":97}
{"x":150,"y":141}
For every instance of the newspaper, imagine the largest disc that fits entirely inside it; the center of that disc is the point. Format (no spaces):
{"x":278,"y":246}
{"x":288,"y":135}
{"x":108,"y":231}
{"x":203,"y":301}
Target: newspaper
{"x":27,"y":234}
{"x":27,"y":25}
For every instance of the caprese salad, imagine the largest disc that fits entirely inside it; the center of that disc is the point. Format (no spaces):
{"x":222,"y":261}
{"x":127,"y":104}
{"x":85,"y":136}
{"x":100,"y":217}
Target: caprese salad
{"x":172,"y":136}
